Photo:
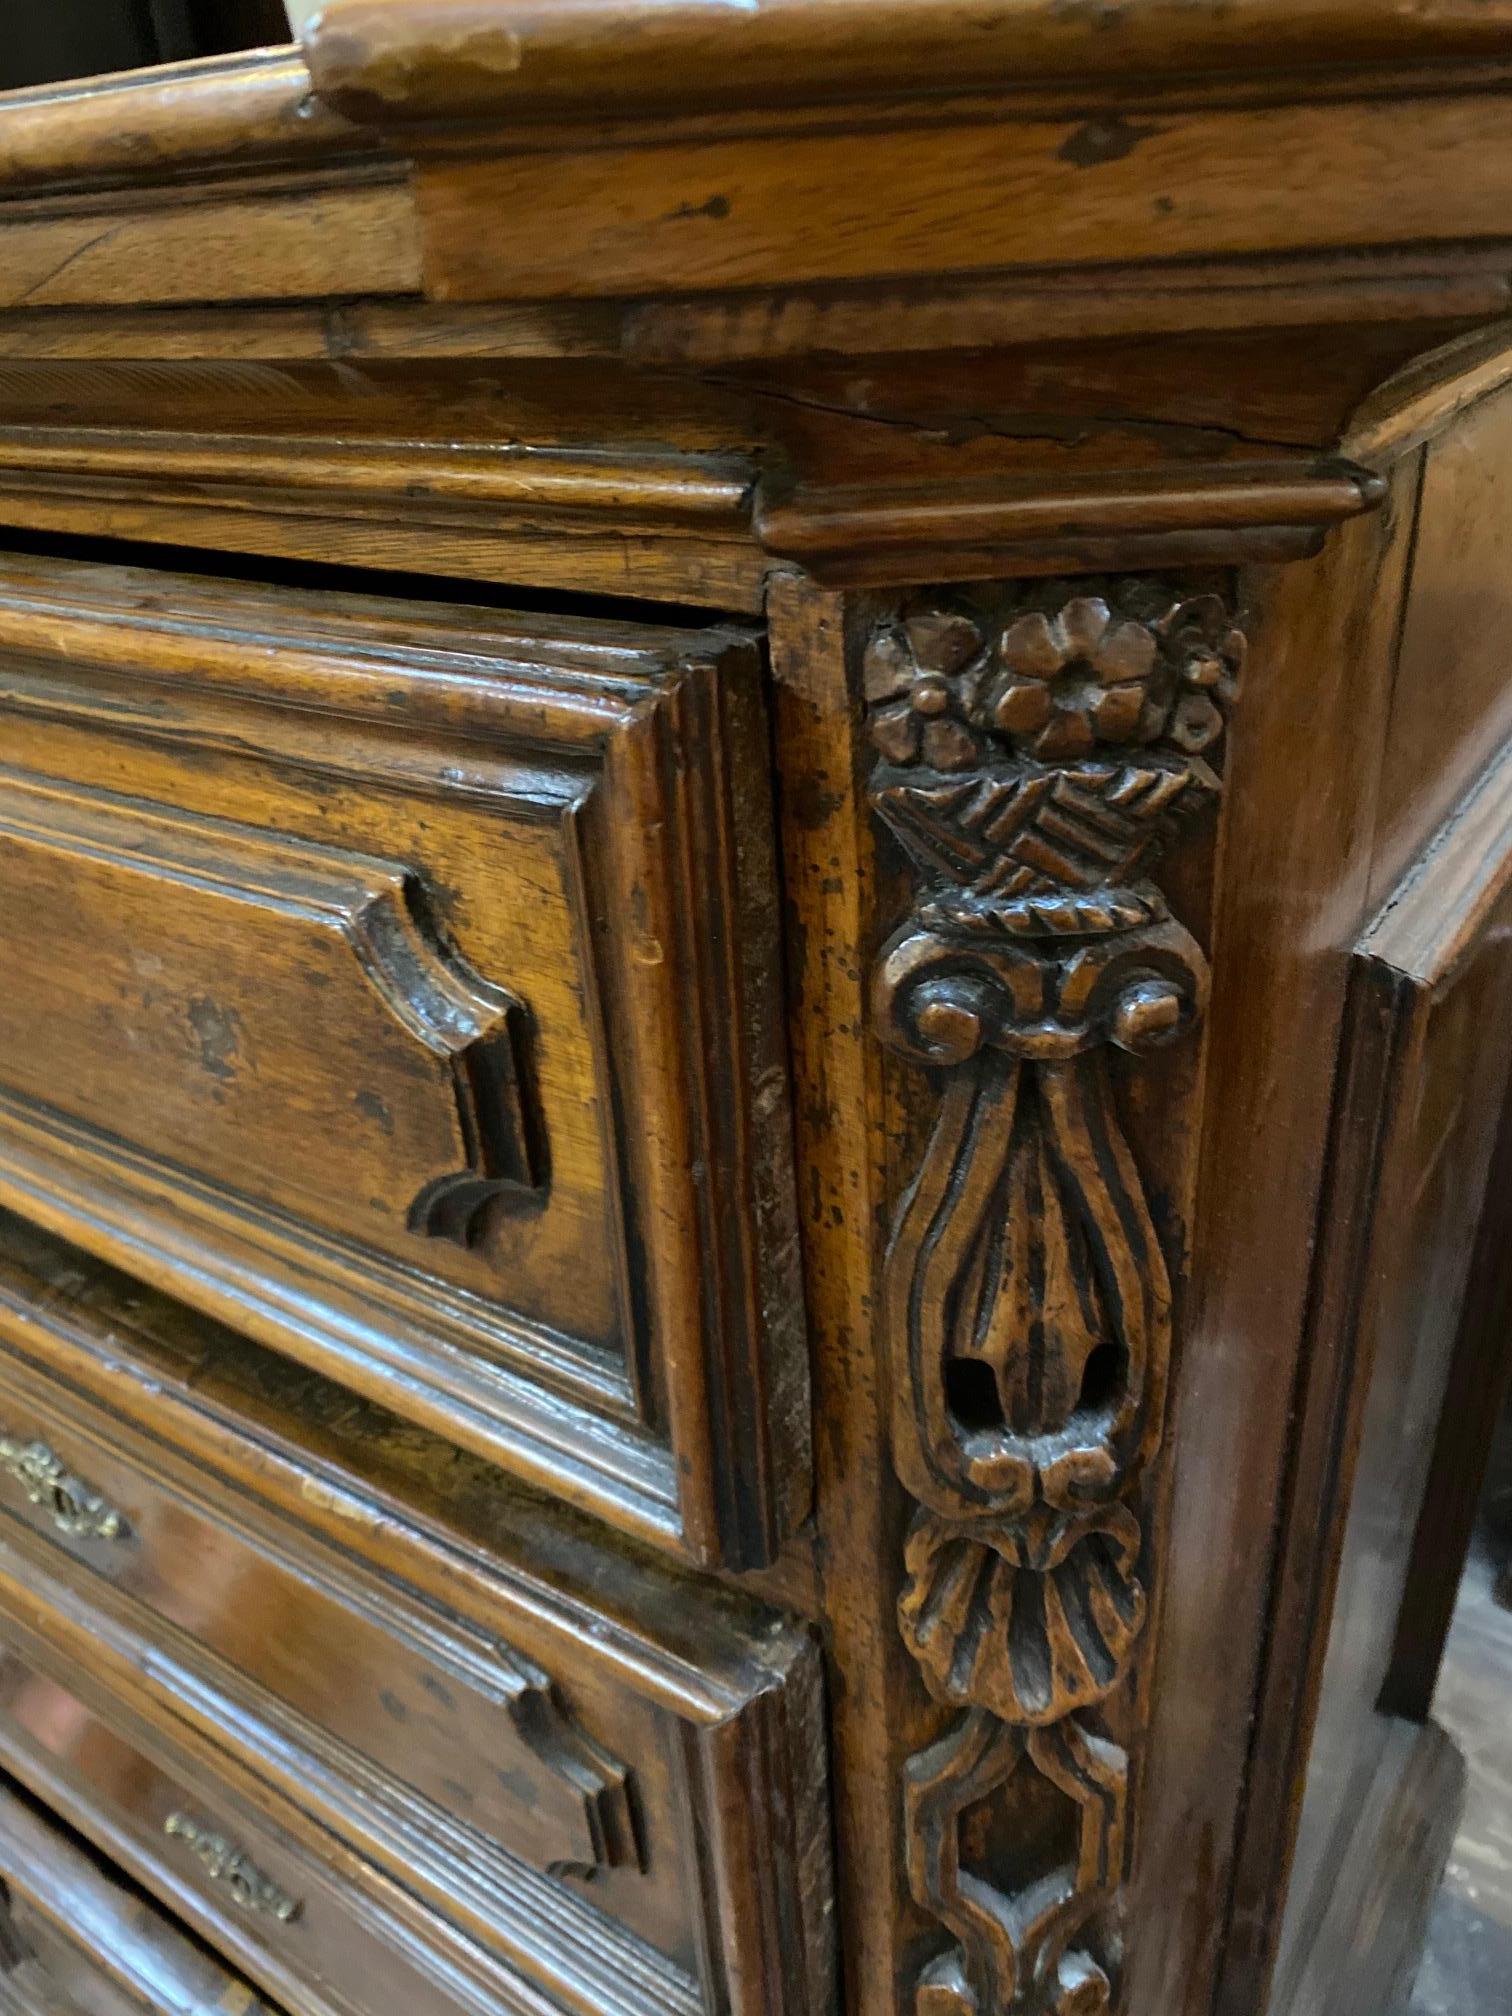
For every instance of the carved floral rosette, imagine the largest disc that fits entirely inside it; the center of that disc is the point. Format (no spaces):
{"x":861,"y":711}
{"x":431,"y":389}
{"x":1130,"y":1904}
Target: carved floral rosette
{"x":1036,"y":752}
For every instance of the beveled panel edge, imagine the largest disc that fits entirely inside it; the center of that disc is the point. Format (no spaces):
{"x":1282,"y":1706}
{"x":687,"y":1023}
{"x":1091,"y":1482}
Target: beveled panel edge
{"x":50,"y":1877}
{"x":740,"y":1686}
{"x":669,"y":724}
{"x":1440,"y":910}
{"x":1449,"y":906}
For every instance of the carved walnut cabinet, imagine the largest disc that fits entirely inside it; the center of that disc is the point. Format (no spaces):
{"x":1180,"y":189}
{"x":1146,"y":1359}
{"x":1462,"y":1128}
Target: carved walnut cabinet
{"x":755,"y":1005}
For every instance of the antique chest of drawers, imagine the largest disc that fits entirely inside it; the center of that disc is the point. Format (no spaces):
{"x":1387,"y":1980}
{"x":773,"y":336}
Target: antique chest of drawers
{"x":755,"y":1024}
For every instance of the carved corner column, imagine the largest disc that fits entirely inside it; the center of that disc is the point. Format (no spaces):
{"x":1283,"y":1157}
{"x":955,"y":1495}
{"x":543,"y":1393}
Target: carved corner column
{"x":1035,"y":750}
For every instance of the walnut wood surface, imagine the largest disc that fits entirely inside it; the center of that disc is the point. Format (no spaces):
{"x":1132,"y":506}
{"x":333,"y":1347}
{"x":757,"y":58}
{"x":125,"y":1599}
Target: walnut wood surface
{"x":632,"y":1786}
{"x":75,"y":1941}
{"x":398,"y":986}
{"x":542,"y":933}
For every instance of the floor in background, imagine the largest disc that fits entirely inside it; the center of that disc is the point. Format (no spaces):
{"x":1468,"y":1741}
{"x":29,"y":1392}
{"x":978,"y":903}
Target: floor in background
{"x":1467,"y":1969}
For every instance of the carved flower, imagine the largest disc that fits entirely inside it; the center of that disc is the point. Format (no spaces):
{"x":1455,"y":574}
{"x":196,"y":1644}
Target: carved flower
{"x":1208,"y":653}
{"x":1076,"y":676}
{"x":922,"y":685}
{"x":1137,"y":669}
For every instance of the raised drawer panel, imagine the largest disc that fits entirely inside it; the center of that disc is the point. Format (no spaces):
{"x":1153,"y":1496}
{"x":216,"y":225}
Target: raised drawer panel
{"x":75,"y":1941}
{"x":448,"y":1726}
{"x":398,"y":983}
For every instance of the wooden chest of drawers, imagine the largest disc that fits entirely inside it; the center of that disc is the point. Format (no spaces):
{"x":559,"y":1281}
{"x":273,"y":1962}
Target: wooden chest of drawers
{"x":755,"y":829}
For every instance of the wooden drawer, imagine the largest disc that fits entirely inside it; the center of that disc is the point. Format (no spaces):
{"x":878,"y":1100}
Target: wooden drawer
{"x":399,"y":983}
{"x":77,"y":1942}
{"x":453,"y":1733}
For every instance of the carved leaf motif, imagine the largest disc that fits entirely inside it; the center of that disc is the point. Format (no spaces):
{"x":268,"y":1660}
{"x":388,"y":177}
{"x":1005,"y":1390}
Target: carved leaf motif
{"x":1031,"y":1294}
{"x":1039,"y":745}
{"x":1031,"y":1621}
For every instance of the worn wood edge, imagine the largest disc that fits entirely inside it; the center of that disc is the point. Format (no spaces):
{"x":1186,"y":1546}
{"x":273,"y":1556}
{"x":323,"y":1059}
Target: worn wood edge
{"x":854,"y":535}
{"x":53,"y":1878}
{"x":876,"y":534}
{"x":142,"y":126}
{"x":1396,"y":1839}
{"x":395,"y":60}
{"x":706,"y":492}
{"x":1427,"y":395}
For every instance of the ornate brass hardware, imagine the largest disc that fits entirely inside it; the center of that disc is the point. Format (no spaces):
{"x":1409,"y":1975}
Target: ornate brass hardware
{"x":223,"y":1862}
{"x":75,"y":1509}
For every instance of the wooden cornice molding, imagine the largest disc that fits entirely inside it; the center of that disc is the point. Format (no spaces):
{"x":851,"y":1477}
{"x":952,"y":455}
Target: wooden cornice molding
{"x":427,"y":60}
{"x":484,"y":509}
{"x":849,"y":535}
{"x":223,"y":116}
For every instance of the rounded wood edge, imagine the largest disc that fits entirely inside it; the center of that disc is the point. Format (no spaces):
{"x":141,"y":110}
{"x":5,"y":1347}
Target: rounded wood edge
{"x":216,"y":115}
{"x":404,"y":60}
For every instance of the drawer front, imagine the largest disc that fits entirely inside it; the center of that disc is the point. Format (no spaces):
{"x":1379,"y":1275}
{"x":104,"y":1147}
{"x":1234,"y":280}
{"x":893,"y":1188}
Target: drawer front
{"x":302,"y":1921}
{"x":75,"y":1941}
{"x":399,"y":984}
{"x":635,"y":1787}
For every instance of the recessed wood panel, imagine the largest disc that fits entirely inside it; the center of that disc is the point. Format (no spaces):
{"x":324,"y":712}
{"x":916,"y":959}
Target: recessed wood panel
{"x":1425,"y":1071}
{"x":398,"y":983}
{"x":349,"y":1707}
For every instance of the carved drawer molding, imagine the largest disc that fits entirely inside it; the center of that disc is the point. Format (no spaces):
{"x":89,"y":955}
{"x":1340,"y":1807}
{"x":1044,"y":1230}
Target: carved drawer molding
{"x":385,"y":1732}
{"x":1036,"y":751}
{"x":400,"y":985}
{"x":75,"y":1941}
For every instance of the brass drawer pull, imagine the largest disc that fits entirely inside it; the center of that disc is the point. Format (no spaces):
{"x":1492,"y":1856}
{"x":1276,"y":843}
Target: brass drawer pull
{"x":75,"y":1509}
{"x":225,"y":1863}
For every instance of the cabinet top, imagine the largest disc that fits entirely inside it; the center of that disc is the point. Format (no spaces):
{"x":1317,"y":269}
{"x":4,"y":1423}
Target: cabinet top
{"x":444,"y":59}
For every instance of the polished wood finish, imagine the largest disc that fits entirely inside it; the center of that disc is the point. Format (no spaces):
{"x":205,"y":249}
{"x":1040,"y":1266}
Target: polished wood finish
{"x":631,"y":1786}
{"x":542,"y":924}
{"x":75,"y":1941}
{"x":765,"y":916}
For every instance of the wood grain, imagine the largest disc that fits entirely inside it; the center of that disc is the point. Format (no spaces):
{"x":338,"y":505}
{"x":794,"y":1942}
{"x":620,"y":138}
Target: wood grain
{"x":386,"y":59}
{"x":827,"y":207}
{"x":629,"y":945}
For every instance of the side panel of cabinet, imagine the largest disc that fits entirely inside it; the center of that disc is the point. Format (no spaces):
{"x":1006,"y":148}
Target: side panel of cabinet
{"x":1424,"y":1081}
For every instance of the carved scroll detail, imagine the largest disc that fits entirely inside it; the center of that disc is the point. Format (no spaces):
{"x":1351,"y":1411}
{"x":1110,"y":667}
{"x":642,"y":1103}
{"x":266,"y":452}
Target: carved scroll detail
{"x":1037,"y":751}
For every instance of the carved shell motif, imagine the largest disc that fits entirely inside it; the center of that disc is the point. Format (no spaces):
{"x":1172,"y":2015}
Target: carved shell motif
{"x":1031,"y":1621}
